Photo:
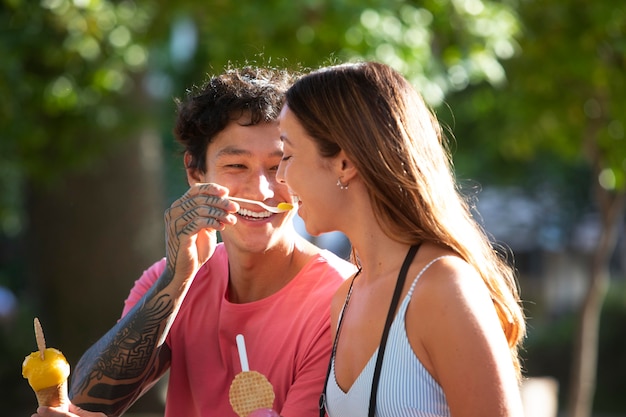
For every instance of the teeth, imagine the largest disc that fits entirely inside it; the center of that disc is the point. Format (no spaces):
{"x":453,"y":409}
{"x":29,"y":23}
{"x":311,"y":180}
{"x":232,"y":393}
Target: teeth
{"x":254,"y":214}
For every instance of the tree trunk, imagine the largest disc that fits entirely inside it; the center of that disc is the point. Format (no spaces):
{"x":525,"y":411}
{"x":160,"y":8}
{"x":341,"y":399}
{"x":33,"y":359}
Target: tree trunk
{"x":90,"y":238}
{"x":585,"y":355}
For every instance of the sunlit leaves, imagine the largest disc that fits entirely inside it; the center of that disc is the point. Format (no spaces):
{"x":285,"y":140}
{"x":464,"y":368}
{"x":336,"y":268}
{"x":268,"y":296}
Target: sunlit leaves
{"x":74,"y":64}
{"x":72,"y":55}
{"x":440,"y":45}
{"x":60,"y":95}
{"x":570,"y":80}
{"x":66,"y":66}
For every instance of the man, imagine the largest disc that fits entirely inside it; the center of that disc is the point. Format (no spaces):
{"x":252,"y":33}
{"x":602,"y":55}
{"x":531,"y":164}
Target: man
{"x":263,"y":281}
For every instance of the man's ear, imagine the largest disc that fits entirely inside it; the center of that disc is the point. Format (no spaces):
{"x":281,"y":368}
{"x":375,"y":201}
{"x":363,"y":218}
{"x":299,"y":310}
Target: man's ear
{"x":194,"y":176}
{"x":345,"y":168}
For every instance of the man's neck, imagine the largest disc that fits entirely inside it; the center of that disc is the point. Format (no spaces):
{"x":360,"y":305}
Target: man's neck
{"x":254,"y":276}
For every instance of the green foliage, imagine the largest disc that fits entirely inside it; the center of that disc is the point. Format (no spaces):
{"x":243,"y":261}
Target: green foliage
{"x":73,"y":68}
{"x":66,"y":66}
{"x":563,"y":94}
{"x":567,"y":87}
{"x":556,"y":126}
{"x":441,"y":45}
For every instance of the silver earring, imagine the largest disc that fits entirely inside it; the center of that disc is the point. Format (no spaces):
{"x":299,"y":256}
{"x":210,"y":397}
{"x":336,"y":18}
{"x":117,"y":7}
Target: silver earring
{"x":340,"y":185}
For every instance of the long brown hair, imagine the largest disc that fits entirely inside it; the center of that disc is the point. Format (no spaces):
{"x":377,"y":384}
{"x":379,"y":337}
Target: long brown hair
{"x":374,"y":115}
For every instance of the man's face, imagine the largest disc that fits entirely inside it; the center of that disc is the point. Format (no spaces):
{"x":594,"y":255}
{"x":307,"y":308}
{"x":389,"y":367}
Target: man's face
{"x":245,"y":160}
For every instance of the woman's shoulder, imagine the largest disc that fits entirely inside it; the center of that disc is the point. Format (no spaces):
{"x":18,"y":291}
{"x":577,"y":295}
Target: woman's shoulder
{"x":446,"y":277}
{"x":455,"y":299}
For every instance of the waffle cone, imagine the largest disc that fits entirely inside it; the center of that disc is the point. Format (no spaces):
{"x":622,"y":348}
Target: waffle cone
{"x":54,"y":396}
{"x":250,"y":391}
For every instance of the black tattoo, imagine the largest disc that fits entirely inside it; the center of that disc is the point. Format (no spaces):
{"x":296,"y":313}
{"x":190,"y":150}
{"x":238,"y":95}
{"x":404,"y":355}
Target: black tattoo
{"x":129,"y":352}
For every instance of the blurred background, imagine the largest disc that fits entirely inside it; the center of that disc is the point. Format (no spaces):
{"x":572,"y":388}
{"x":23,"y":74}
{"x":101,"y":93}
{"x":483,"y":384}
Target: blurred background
{"x":532,"y":94}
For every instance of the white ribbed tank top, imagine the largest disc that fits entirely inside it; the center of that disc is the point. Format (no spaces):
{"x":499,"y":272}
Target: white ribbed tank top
{"x":406,"y":389}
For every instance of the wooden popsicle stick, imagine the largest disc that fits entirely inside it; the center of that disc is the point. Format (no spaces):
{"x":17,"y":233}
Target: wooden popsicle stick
{"x":41,"y":341}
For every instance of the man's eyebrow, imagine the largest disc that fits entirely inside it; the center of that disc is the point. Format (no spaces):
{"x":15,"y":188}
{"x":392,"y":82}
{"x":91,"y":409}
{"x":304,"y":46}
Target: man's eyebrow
{"x":235,"y":151}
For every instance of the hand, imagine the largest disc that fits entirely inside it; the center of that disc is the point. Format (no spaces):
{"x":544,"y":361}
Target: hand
{"x":264,"y":412}
{"x":191,"y":225}
{"x":59,"y":412}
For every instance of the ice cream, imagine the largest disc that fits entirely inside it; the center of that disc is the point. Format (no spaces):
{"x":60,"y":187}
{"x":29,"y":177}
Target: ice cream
{"x":47,"y":371}
{"x":250,"y":391}
{"x":284,"y":206}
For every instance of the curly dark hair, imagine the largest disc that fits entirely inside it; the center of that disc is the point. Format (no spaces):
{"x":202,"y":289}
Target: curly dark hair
{"x":255,"y":92}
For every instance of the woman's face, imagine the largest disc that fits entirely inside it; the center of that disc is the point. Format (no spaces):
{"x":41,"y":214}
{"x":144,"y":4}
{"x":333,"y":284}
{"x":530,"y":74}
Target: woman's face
{"x":308,"y":175}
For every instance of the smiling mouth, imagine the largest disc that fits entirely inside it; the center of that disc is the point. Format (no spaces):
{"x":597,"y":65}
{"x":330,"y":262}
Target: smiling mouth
{"x":254,"y":214}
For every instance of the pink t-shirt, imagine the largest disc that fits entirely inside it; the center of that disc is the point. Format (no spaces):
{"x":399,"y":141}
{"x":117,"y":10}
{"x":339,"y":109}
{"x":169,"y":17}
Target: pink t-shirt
{"x":287,"y":337}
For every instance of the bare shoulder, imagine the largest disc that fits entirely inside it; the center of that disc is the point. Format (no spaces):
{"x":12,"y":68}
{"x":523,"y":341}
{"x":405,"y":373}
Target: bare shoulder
{"x":454,"y":330}
{"x":451,"y":306}
{"x":449,"y":282}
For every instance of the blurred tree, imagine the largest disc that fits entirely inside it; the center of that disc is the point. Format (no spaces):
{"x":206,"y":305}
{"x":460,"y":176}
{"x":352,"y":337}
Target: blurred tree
{"x":563,"y":112}
{"x":567,"y":95}
{"x":69,"y":68}
{"x":80,"y":193}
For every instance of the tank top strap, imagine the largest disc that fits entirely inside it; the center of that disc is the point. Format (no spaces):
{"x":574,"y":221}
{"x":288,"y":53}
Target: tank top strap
{"x":410,"y":293}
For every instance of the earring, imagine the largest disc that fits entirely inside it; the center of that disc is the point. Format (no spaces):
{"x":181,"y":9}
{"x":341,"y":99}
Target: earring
{"x":341,"y":185}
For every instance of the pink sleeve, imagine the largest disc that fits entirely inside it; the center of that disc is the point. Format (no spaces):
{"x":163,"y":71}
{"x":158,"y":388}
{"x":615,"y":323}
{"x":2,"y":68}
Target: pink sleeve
{"x":315,"y":344}
{"x":143,"y":284}
{"x":304,"y":394}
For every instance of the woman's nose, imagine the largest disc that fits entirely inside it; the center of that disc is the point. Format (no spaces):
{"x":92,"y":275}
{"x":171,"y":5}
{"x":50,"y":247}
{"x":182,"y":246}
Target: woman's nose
{"x":280,"y":173}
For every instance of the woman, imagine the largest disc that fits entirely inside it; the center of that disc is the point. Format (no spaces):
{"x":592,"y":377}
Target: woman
{"x":364,"y":155}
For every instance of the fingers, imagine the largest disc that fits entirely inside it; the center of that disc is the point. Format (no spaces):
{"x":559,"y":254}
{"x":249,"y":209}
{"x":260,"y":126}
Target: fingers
{"x":53,"y":412}
{"x":202,"y":206}
{"x":191,"y":217}
{"x":191,"y":225}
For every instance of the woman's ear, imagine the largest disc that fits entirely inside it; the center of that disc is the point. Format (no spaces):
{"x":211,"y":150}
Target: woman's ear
{"x":194,"y":176}
{"x":345,"y":168}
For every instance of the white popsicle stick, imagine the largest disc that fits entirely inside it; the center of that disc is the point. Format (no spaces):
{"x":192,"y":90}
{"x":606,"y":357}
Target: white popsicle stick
{"x":243,"y":355}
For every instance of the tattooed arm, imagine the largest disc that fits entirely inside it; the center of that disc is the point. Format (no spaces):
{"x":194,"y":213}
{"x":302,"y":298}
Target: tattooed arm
{"x":128,"y":359}
{"x":132,"y":356}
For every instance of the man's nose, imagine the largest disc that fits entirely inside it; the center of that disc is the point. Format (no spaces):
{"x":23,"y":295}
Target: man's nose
{"x":260,"y":185}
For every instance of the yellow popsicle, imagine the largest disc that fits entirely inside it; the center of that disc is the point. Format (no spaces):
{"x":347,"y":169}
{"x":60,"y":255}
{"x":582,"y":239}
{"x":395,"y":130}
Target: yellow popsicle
{"x":47,"y":371}
{"x":53,"y":370}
